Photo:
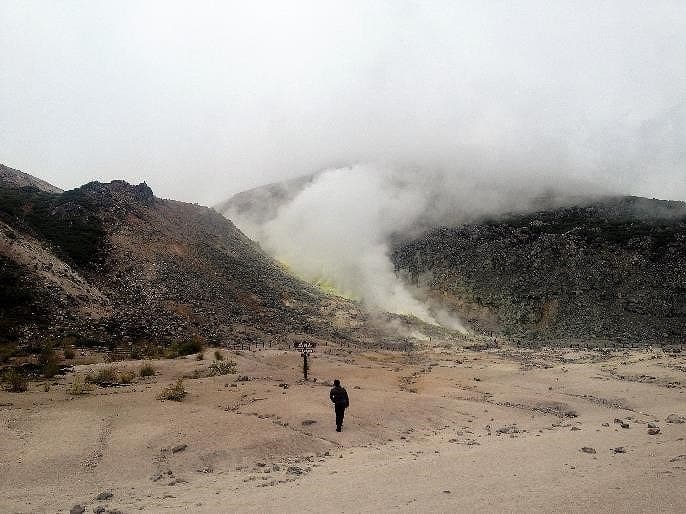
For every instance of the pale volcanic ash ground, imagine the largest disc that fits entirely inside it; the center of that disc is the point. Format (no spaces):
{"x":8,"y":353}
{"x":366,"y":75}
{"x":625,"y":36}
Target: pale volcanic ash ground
{"x":439,"y":429}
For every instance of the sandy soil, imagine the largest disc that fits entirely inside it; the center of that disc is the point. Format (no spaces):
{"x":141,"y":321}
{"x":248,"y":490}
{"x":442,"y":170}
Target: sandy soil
{"x":444,"y":430}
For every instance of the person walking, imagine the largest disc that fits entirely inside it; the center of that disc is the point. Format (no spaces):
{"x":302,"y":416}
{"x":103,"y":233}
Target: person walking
{"x":339,"y":397}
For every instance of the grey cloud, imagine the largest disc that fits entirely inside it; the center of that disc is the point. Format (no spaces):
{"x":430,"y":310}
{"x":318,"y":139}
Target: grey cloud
{"x":203,"y":99}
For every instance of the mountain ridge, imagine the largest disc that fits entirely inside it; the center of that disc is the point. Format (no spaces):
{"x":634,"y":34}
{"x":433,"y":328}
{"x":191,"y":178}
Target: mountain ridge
{"x":114,"y":264}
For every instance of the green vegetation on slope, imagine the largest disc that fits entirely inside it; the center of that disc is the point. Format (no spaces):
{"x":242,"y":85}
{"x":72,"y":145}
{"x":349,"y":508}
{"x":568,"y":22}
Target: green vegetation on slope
{"x":65,"y":220}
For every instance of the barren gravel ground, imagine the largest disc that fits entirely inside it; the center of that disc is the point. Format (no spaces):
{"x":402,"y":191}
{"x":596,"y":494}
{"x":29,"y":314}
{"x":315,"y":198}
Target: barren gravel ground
{"x":443,"y":430}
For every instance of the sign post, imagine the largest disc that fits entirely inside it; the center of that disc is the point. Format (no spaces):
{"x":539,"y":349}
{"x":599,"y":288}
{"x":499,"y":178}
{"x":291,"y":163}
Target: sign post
{"x":306,"y":348}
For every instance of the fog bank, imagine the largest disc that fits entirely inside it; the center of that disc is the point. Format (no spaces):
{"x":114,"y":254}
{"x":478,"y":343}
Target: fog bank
{"x":205,"y":99}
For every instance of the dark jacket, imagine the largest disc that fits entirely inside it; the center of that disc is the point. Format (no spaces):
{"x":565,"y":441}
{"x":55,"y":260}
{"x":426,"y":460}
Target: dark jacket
{"x":339,"y":396}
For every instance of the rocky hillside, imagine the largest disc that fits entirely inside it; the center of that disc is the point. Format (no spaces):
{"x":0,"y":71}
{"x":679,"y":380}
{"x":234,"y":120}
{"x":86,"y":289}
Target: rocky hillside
{"x":15,"y":178}
{"x":111,"y":263}
{"x":611,"y":270}
{"x":260,"y":204}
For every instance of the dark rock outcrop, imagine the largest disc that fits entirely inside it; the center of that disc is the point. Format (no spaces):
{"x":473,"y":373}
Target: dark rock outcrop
{"x":611,"y":270}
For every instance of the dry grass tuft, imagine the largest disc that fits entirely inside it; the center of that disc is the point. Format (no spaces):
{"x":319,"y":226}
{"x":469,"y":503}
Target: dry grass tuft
{"x":175,"y":393}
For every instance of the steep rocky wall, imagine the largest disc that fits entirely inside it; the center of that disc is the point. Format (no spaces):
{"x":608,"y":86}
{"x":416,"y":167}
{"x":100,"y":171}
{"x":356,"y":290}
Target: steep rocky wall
{"x":613,"y":270}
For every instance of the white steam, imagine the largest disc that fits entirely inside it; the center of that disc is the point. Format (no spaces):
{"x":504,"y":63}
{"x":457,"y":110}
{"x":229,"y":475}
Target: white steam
{"x":337,"y":229}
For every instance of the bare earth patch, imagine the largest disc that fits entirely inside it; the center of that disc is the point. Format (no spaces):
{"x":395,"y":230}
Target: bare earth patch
{"x":440,"y":429}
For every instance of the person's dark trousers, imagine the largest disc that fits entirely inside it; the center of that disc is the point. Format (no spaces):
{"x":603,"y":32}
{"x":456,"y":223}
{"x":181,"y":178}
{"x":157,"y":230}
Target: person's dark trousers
{"x":340,"y":412}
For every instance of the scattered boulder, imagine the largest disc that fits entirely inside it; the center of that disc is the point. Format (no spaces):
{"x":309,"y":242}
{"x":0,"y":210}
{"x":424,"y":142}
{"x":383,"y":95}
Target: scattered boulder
{"x":675,"y":418}
{"x":619,"y":449}
{"x":77,"y":509}
{"x":652,"y":425}
{"x":179,"y":448}
{"x":104,"y":496}
{"x":508,"y":429}
{"x":294,"y":470}
{"x":307,"y":422}
{"x":653,"y":431}
{"x":588,"y":449}
{"x":99,"y":509}
{"x":622,"y":423}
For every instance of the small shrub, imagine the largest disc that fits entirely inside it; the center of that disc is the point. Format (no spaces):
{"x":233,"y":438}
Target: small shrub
{"x":170,"y":353}
{"x":6,"y":353}
{"x":218,"y":356}
{"x":79,"y":386}
{"x":146,"y":370}
{"x":47,"y":360}
{"x":14,"y":382}
{"x":69,"y":352}
{"x":105,"y":376}
{"x":188,"y":347}
{"x":126,"y":377}
{"x":218,"y":368}
{"x":174,"y":392}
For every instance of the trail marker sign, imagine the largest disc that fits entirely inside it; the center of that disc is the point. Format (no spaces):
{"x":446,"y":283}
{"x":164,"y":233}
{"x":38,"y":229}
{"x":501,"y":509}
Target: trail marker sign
{"x":306,"y":348}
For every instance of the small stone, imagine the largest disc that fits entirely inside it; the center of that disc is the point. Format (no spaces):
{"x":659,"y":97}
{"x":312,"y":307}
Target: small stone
{"x":653,"y":431}
{"x":619,"y":449}
{"x":588,"y":449}
{"x":605,"y":425}
{"x":307,"y":422}
{"x":104,"y":496}
{"x":446,"y":491}
{"x":99,"y":509}
{"x":675,"y":418}
{"x":294,"y":470}
{"x":574,"y":429}
{"x":652,"y":425}
{"x":179,"y":448}
{"x":624,"y":424}
{"x":77,"y":509}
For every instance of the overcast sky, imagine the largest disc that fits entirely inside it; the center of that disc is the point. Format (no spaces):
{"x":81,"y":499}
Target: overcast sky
{"x":204,"y":99}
